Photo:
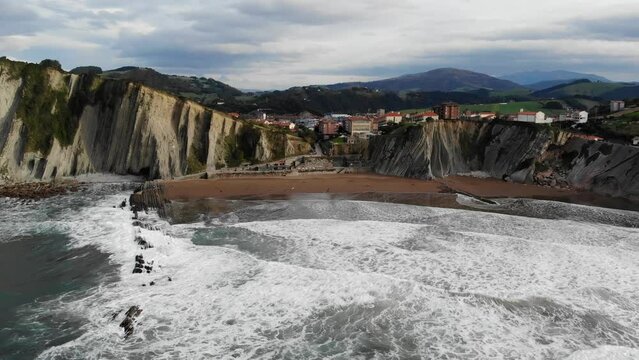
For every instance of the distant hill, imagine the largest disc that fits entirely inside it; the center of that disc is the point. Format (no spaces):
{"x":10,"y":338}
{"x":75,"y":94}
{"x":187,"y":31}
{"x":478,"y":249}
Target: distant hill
{"x":605,"y":91}
{"x":535,"y":77}
{"x":320,"y":100}
{"x":446,"y":79}
{"x":542,"y":85}
{"x":204,"y":90}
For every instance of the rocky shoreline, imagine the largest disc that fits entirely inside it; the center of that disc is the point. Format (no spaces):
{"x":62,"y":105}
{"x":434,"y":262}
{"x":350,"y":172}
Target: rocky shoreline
{"x":38,"y":190}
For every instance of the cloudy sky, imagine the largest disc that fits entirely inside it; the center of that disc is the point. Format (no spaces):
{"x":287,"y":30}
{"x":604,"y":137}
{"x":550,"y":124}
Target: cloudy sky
{"x":275,"y":44}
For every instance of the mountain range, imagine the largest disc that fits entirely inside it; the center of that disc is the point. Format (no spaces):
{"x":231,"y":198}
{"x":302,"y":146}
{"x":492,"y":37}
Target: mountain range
{"x":408,"y":91}
{"x":445,"y":79}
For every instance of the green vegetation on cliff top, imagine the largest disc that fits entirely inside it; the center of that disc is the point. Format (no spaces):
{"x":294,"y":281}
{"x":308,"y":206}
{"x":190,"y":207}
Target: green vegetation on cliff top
{"x":242,"y":147}
{"x":44,"y":111}
{"x":626,"y":126}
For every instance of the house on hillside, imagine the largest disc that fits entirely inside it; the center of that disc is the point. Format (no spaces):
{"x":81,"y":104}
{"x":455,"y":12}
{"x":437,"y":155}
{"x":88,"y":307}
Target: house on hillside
{"x":580,"y":117}
{"x":617,"y":105}
{"x":635,"y":141}
{"x":393,"y":117}
{"x":538,"y":117}
{"x":448,"y":111}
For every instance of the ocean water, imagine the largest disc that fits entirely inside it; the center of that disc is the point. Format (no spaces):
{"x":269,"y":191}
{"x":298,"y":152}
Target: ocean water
{"x":314,"y":278}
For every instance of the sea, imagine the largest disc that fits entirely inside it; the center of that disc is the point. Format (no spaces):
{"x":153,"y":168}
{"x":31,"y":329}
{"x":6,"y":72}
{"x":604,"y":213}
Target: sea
{"x":314,"y":277}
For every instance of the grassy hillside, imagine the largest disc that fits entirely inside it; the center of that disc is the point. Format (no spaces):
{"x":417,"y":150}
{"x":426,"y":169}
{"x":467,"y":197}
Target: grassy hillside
{"x":320,"y":100}
{"x":626,"y":126}
{"x":203,"y":90}
{"x":513,"y":107}
{"x":590,"y":89}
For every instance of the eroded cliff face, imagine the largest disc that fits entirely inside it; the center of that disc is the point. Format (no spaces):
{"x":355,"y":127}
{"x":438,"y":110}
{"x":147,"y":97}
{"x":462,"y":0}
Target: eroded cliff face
{"x":55,"y":124}
{"x":521,"y":152}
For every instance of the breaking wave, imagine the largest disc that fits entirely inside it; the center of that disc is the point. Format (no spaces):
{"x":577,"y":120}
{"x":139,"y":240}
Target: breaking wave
{"x":308,"y":279}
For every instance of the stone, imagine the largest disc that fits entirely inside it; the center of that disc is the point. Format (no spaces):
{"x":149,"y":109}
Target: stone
{"x":129,"y":320}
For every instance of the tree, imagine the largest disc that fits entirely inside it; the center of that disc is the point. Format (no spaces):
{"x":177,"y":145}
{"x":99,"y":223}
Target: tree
{"x":556,"y":105}
{"x":50,"y":63}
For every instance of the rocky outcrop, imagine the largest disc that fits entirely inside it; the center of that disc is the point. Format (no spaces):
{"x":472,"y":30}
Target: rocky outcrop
{"x":56,"y":124}
{"x":523,"y":153}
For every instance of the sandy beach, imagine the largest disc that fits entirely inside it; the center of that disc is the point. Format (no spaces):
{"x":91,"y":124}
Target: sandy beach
{"x":228,"y":188}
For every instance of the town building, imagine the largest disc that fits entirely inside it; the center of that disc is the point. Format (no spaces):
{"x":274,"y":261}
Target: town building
{"x":448,"y":111}
{"x":533,"y":117}
{"x":635,"y":141}
{"x":339,"y":117}
{"x":580,"y":117}
{"x":425,"y":116}
{"x":487,"y":115}
{"x":307,"y":123}
{"x":393,"y":117}
{"x":483,"y":115}
{"x":617,"y":105}
{"x":358,"y":125}
{"x":328,"y":128}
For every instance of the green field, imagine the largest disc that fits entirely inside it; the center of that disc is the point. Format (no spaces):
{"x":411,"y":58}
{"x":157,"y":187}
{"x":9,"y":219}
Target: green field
{"x":501,"y":108}
{"x":627,"y":125}
{"x":511,"y":108}
{"x":413,"y":111}
{"x":587,"y":89}
{"x":514,"y":92}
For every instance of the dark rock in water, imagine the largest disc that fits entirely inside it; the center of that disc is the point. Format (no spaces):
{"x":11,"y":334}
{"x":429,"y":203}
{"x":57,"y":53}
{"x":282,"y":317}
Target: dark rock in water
{"x":170,"y":279}
{"x":137,"y":223}
{"x":115,"y":315}
{"x":143,"y":243}
{"x":139,"y":264}
{"x":123,"y":204}
{"x":129,"y":321}
{"x":134,"y":311}
{"x":152,"y":283}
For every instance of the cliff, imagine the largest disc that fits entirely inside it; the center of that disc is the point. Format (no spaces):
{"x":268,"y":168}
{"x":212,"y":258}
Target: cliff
{"x":523,"y":153}
{"x":56,"y":124}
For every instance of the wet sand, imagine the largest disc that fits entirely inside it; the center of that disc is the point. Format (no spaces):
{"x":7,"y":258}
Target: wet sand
{"x":276,"y":186}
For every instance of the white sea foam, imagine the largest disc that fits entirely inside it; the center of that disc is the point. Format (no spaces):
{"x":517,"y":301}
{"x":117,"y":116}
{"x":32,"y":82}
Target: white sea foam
{"x":352,"y":279}
{"x":606,"y":353}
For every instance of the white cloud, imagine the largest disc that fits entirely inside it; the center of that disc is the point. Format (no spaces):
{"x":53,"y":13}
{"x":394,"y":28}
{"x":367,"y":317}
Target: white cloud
{"x":282,"y":43}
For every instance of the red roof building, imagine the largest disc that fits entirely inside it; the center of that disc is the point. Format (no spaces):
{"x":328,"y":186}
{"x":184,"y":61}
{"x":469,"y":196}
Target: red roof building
{"x":449,"y":111}
{"x":328,"y":127}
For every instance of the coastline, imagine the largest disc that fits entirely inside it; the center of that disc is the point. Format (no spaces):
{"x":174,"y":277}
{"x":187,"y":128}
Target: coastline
{"x":270,"y":186}
{"x":375,"y":187}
